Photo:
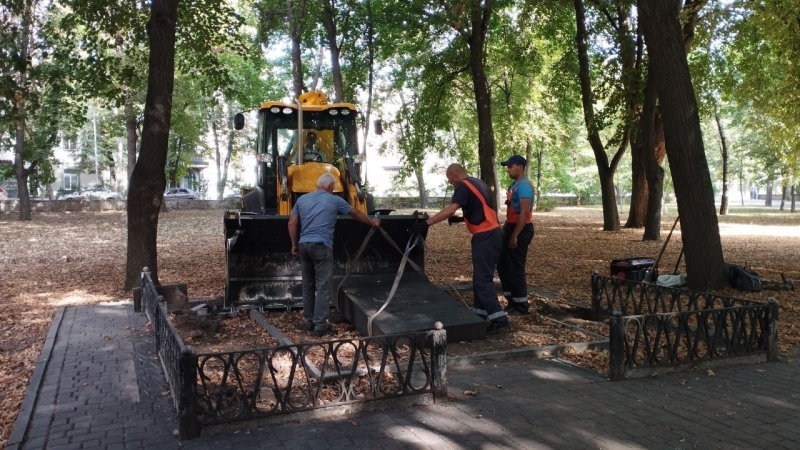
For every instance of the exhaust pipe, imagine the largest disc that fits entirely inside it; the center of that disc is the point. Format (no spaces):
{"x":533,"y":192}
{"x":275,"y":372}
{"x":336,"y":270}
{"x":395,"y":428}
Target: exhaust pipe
{"x":300,"y":143}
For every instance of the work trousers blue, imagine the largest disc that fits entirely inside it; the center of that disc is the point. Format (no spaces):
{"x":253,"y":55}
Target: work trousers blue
{"x":317,"y":261}
{"x":511,"y":266}
{"x":485,"y":250}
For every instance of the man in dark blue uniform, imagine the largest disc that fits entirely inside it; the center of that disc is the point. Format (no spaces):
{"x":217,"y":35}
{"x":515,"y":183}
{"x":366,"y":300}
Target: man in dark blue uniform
{"x":473,"y":197}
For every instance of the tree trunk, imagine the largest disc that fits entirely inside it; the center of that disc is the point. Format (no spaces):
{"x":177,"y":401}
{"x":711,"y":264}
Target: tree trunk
{"x":148,"y":179}
{"x":741,"y":179}
{"x":783,"y":193}
{"x":217,"y":155}
{"x":173,"y":173}
{"x":723,"y":203}
{"x":794,"y":192}
{"x":130,"y":133}
{"x":705,"y":264}
{"x":604,"y":169}
{"x":295,"y":16}
{"x":329,"y":22}
{"x":371,"y":74}
{"x":483,"y":102}
{"x":227,"y":161}
{"x":316,"y":74}
{"x":21,"y":98}
{"x":423,"y":193}
{"x":768,"y":199}
{"x":654,"y":173}
{"x":639,"y":192}
{"x":538,"y":174}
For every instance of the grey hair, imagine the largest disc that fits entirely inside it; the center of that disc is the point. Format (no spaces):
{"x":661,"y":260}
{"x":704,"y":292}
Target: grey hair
{"x":326,"y":181}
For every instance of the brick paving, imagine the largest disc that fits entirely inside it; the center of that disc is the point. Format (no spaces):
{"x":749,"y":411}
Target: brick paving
{"x":103,"y":388}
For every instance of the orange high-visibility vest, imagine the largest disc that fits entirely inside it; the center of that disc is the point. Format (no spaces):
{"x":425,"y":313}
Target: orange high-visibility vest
{"x":490,"y":218}
{"x":512,"y":216}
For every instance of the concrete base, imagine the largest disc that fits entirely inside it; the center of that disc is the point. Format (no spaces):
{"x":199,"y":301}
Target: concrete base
{"x":416,"y":306}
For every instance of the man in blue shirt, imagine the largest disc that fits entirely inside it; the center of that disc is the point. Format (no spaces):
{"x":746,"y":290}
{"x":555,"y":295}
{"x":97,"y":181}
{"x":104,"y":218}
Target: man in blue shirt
{"x":517,"y":236}
{"x":316,"y":213}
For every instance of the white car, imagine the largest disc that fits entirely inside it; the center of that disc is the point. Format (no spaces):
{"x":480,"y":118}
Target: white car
{"x":102,"y":194}
{"x":179,"y":193}
{"x":71,"y":195}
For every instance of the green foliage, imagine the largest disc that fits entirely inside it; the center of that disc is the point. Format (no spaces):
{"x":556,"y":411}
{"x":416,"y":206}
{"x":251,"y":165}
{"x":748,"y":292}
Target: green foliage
{"x":546,"y":204}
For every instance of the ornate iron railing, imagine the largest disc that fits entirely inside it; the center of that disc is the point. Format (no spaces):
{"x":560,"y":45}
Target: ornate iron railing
{"x":636,"y":298}
{"x":178,"y":362}
{"x":213,"y":388}
{"x":150,"y":296}
{"x":271,"y":381}
{"x":655,"y":328}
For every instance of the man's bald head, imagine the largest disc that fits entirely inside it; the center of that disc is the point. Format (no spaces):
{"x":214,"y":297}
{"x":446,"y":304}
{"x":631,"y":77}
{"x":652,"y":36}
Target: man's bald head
{"x":456,"y":168}
{"x":455,"y":173}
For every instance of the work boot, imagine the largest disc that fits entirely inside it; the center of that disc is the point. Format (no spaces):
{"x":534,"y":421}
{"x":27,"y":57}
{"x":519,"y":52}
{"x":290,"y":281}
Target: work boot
{"x":325,"y":332}
{"x":514,"y":310}
{"x":496,"y":327}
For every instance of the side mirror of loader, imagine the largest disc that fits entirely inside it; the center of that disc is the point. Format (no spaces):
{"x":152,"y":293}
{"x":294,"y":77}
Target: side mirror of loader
{"x":238,"y":121}
{"x":378,"y":124}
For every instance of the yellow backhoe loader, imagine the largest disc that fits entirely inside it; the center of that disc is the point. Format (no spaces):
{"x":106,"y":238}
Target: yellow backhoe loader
{"x":295,"y":144}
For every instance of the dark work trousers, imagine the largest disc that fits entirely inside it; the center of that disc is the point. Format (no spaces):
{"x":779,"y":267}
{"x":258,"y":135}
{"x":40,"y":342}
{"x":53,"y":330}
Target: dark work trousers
{"x":485,"y":249}
{"x":317,"y":260}
{"x":511,"y":267}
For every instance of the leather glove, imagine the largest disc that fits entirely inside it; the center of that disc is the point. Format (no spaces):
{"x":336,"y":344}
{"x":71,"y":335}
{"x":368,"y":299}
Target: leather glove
{"x":454,"y":219}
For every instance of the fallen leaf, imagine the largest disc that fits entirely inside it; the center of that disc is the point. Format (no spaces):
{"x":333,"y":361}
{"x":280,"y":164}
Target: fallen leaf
{"x":710,"y":373}
{"x":107,"y":338}
{"x":352,"y":422}
{"x":468,"y":392}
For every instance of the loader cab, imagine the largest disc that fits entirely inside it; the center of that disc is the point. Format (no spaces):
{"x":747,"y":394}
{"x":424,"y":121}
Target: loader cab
{"x":329,"y":145}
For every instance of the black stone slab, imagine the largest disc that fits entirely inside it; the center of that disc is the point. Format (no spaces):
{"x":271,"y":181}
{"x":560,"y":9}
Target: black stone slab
{"x":416,"y":306}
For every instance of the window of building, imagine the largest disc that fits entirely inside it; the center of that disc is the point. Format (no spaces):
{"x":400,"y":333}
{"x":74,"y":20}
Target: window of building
{"x":70,"y":181}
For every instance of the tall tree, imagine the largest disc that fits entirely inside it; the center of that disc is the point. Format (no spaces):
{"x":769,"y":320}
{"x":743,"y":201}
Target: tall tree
{"x":37,"y":96}
{"x":630,"y":58}
{"x":148,"y":179}
{"x":705,"y":264}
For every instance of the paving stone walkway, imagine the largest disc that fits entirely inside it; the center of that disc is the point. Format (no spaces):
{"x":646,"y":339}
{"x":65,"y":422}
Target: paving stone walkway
{"x":103,"y":388}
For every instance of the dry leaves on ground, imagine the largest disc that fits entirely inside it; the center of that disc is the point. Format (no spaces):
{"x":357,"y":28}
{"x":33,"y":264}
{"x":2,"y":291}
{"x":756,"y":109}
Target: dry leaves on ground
{"x":79,"y":258}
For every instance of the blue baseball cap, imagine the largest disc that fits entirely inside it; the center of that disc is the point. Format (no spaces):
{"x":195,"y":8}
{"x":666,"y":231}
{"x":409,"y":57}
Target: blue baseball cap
{"x":516,"y":159}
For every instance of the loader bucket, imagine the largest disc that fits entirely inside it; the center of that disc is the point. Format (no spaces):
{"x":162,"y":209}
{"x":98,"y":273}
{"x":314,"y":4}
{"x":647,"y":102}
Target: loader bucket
{"x":261,"y":270}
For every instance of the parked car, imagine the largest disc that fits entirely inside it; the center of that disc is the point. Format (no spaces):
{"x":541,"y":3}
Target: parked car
{"x":102,"y":194}
{"x":179,"y":193}
{"x":70,"y":195}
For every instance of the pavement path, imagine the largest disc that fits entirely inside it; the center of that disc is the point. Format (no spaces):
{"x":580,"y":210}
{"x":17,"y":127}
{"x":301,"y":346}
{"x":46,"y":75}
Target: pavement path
{"x":103,"y":388}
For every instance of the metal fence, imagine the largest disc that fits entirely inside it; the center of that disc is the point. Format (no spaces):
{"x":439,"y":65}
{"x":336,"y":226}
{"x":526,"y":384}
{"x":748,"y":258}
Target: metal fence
{"x":178,"y":362}
{"x":658,"y":329}
{"x":635,"y":298}
{"x":214,"y":388}
{"x":264,"y":382}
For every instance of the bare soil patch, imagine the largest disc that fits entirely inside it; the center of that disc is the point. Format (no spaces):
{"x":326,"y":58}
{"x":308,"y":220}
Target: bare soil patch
{"x":222,"y":335}
{"x":79,"y":258}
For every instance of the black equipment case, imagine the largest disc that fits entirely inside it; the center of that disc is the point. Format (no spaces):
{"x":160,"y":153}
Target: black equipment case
{"x":631,"y":268}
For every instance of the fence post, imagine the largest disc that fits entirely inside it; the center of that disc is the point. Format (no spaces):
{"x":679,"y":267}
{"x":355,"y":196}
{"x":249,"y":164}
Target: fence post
{"x":595,"y":296}
{"x":772,"y":329}
{"x":439,"y":362}
{"x":188,"y":428}
{"x":616,"y":347}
